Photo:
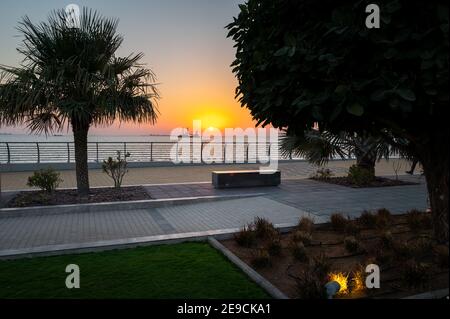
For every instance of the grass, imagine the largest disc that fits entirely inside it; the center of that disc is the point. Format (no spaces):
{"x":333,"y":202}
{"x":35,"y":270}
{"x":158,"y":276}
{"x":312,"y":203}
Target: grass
{"x":188,"y":270}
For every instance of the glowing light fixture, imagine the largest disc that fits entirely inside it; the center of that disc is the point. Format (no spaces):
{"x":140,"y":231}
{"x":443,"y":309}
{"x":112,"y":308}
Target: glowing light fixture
{"x":342,"y":280}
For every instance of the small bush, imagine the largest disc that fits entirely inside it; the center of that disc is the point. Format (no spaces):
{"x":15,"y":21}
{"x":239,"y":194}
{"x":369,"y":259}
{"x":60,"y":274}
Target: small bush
{"x":384,"y":213}
{"x":274,"y":247}
{"x":418,"y":220}
{"x":383,"y":218}
{"x":367,"y":219}
{"x":261,"y":259}
{"x":246,"y":237}
{"x":299,"y":252}
{"x":309,"y":286}
{"x":351,"y":244}
{"x":427,"y":221}
{"x":387,"y":240}
{"x":306,"y":224}
{"x":321,"y":265}
{"x":423,"y":246}
{"x":380,"y":255}
{"x":415,"y":274}
{"x":45,"y":179}
{"x":352,"y":229}
{"x":338,"y":222}
{"x":301,"y":236}
{"x":360,"y":176}
{"x":322,"y":173}
{"x":384,"y":257}
{"x":405,"y":250}
{"x":441,"y":256}
{"x":116,"y":168}
{"x":264,"y":229}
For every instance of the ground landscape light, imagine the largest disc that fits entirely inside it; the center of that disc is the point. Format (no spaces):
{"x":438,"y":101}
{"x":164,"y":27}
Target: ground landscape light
{"x":342,"y":280}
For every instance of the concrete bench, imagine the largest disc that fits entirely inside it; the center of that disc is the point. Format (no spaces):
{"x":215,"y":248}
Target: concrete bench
{"x":230,"y":179}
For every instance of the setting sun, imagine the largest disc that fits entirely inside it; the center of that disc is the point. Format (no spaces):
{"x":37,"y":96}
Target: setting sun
{"x":211,"y":121}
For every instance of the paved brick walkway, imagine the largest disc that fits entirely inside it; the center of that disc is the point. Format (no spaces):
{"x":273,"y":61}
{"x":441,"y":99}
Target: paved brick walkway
{"x":44,"y":230}
{"x":283,"y":204}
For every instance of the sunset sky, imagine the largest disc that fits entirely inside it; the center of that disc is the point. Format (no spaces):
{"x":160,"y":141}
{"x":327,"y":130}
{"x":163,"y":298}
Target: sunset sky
{"x":184,"y":42}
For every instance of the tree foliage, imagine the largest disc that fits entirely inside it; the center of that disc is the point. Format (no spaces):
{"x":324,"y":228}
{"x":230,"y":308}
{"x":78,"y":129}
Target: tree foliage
{"x":320,"y":147}
{"x":300,"y":62}
{"x":74,"y":73}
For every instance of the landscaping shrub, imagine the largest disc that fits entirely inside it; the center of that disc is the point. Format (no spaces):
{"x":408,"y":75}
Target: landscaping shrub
{"x":306,"y":224}
{"x":45,"y":179}
{"x":360,"y":176}
{"x":351,"y":244}
{"x":404,"y":250}
{"x":261,"y":259}
{"x":264,"y":229}
{"x":377,"y":254}
{"x":298,"y":250}
{"x":338,"y":222}
{"x":384,"y":213}
{"x":383,"y":256}
{"x":116,"y":168}
{"x":352,"y":229}
{"x":246,"y":237}
{"x":427,"y":221}
{"x":423,"y":246}
{"x":441,"y":255}
{"x":321,"y":265}
{"x":310,"y":286}
{"x":383,"y":218}
{"x":301,"y":236}
{"x":274,"y":247}
{"x":415,"y":274}
{"x":322,"y":173}
{"x":367,"y":219}
{"x":387,"y":240}
{"x":418,"y":220}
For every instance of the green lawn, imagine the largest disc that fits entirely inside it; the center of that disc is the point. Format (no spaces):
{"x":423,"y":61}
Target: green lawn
{"x":188,"y":270}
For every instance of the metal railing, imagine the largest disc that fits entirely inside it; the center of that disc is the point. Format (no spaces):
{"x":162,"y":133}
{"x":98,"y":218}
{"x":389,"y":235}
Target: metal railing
{"x":64,"y":152}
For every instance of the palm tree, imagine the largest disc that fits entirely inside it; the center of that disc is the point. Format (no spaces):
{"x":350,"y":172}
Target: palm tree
{"x":71,"y":77}
{"x":319,"y":147}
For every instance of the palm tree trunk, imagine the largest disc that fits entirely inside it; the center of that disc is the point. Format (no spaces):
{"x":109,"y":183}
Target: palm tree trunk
{"x":366,"y":161}
{"x":80,"y":133}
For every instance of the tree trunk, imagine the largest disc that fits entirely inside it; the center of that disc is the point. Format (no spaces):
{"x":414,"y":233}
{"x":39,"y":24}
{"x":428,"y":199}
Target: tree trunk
{"x":435,"y":159}
{"x":366,"y":161}
{"x":80,"y":133}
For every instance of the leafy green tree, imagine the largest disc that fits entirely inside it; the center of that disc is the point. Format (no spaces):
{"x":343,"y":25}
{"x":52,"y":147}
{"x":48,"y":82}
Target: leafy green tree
{"x":72,"y":76}
{"x":306,"y":61}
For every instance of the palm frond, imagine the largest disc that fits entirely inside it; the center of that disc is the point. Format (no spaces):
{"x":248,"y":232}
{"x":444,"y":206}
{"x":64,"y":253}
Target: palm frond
{"x":316,"y":147}
{"x":72,"y":75}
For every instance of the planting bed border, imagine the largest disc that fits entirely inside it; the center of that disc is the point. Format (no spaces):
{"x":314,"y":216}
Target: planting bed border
{"x":249,"y":271}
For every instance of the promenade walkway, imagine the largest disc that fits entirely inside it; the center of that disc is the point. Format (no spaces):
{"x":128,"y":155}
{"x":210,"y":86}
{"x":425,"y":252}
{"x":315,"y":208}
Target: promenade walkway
{"x":192,"y":174}
{"x":283,"y":205}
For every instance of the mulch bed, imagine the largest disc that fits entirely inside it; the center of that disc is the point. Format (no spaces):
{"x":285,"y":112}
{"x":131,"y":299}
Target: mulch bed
{"x":378,"y":182}
{"x":63,"y":197}
{"x":284,"y":270}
